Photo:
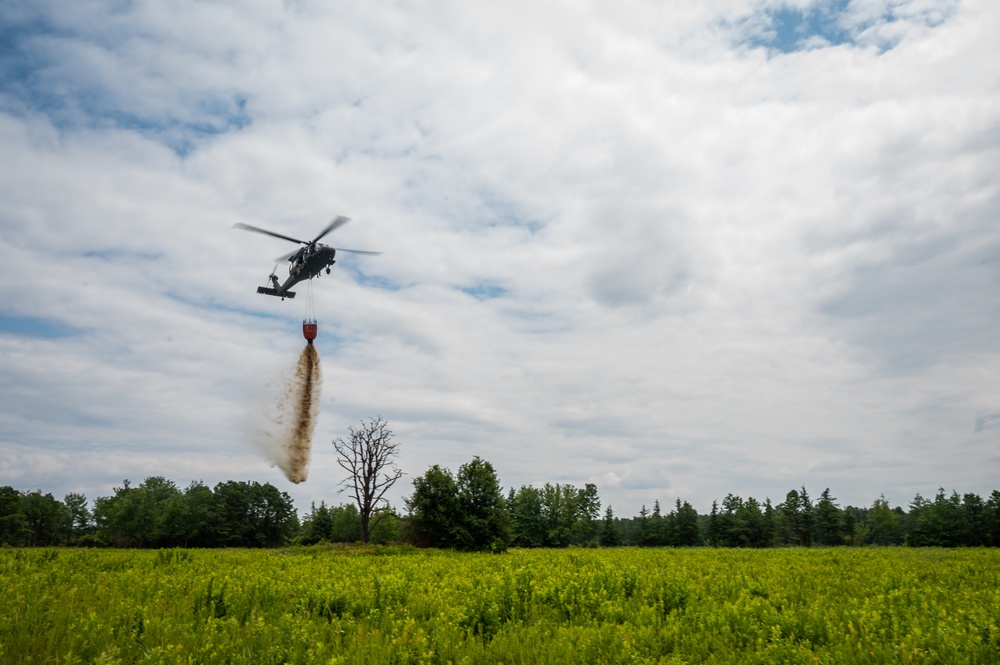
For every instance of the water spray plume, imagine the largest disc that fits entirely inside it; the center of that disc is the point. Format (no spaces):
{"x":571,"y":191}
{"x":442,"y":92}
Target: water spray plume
{"x":284,"y":424}
{"x":305,"y":408}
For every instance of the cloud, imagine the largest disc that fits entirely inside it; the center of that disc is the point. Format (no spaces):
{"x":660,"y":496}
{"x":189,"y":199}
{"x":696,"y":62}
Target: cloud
{"x":985,"y":421}
{"x":610,"y":479}
{"x":649,"y":476}
{"x":615,"y":240}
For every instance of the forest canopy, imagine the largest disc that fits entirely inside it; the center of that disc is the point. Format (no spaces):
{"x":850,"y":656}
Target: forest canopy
{"x":470,"y":511}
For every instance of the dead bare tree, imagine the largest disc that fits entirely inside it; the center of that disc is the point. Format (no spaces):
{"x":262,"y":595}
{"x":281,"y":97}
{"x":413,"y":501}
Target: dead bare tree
{"x":369,"y":457}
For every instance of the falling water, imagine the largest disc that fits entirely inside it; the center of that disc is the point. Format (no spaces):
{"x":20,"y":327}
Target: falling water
{"x":282,"y":424}
{"x":304,"y":408}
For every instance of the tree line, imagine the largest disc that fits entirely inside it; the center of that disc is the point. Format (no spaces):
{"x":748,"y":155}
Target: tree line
{"x":155,"y":513}
{"x":469,"y":510}
{"x":949,"y":520}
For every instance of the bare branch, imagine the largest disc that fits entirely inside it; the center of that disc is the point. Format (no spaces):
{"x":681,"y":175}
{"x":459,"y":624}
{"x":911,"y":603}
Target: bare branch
{"x":368,"y":457}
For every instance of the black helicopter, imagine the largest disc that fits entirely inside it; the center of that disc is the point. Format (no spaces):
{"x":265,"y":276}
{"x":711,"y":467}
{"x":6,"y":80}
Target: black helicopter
{"x":306,"y":262}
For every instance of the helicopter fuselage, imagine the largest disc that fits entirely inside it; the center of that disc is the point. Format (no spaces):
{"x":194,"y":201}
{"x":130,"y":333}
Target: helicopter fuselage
{"x":305,"y":264}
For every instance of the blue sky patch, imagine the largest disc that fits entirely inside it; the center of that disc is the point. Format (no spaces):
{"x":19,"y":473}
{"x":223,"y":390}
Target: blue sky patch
{"x":372,"y":281}
{"x":985,"y":421}
{"x":484,"y":291}
{"x":791,"y":29}
{"x":783,"y":28}
{"x":213,"y":305}
{"x":29,"y":326}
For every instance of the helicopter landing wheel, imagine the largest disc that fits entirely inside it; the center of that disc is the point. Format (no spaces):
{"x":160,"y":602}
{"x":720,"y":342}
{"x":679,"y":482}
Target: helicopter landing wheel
{"x":327,"y":271}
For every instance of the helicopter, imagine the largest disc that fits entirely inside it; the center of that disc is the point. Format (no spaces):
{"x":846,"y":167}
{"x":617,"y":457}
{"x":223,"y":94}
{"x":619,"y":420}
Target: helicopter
{"x":305,"y":262}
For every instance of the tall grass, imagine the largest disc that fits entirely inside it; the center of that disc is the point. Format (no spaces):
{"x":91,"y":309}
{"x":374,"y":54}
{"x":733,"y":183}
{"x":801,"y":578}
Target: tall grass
{"x":384,"y":605}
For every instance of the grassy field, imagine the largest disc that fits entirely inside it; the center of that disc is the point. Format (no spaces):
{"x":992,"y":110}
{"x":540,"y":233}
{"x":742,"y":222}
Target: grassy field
{"x":391,"y":605}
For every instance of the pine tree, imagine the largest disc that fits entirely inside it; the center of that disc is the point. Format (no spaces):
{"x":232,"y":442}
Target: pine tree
{"x":609,"y":533}
{"x":829,"y":522}
{"x":686,"y":531}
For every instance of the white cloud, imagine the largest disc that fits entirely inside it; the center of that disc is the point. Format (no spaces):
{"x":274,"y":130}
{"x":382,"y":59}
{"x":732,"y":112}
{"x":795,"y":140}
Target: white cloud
{"x":701,"y":268}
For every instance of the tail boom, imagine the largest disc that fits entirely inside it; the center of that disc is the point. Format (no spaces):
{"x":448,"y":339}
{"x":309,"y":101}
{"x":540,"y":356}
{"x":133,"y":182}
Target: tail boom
{"x":275,"y":292}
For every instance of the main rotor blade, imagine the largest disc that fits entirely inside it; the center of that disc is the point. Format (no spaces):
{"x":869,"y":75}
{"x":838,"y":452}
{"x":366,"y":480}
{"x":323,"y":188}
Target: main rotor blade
{"x":247,"y":227}
{"x":335,"y":224}
{"x":358,"y":251}
{"x":288,"y":256}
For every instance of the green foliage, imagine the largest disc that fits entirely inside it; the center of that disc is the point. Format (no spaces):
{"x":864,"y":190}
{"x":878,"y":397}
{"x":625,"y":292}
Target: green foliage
{"x":336,"y":604}
{"x":991,"y":520}
{"x":829,"y":523}
{"x":467,"y":511}
{"x":387,"y":528}
{"x":554,"y":515}
{"x":484,"y":521}
{"x":158,"y":514}
{"x":46,"y":519}
{"x":796,"y":518}
{"x":31,"y":518}
{"x":559,"y":514}
{"x":346,"y":524}
{"x":948,"y":521}
{"x":686,"y":532}
{"x":588,"y":513}
{"x":434,"y":509}
{"x":195,"y":519}
{"x":254,"y":515}
{"x":79,"y":520}
{"x":475,"y":516}
{"x":338,"y":524}
{"x":883,"y":524}
{"x":317,"y":525}
{"x":610,"y":537}
{"x":13,"y":523}
{"x":528,"y":525}
{"x":138,"y":516}
{"x":940,"y":523}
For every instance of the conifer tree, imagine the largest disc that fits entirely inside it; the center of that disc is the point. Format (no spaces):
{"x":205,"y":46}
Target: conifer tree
{"x":609,"y":531}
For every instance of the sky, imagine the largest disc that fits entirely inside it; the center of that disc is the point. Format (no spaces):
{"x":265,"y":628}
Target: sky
{"x":678,"y":250}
